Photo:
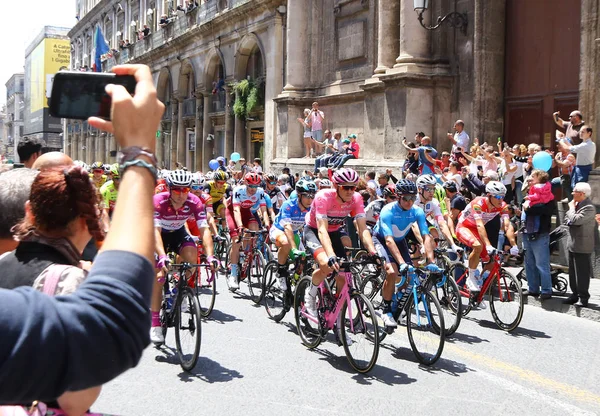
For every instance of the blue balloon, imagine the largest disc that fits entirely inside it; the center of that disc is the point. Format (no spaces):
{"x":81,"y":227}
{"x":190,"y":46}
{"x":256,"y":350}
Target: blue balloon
{"x":235,"y":156}
{"x":542,"y":161}
{"x":213,"y":164}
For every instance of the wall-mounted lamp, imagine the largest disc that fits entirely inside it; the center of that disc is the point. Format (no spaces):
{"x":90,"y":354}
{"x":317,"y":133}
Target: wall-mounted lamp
{"x":281,"y":9}
{"x":455,"y":19}
{"x":133,"y":23}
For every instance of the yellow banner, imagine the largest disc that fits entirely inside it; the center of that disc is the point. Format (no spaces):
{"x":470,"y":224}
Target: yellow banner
{"x":50,"y":56}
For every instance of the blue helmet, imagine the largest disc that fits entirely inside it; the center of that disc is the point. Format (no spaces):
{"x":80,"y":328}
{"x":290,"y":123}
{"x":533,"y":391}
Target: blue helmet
{"x":406,"y":187}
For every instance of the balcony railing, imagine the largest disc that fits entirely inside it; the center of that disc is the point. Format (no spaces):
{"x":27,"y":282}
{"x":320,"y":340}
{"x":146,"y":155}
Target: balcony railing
{"x":218,"y":102}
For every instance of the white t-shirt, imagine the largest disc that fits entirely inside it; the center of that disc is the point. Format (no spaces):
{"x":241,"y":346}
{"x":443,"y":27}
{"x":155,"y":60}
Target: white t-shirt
{"x":462,"y":140}
{"x":507,"y":176}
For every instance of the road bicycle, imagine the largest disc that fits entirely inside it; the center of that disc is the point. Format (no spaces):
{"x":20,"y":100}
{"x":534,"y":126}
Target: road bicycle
{"x":181,"y":310}
{"x":348,"y":313}
{"x":222,"y":246}
{"x":204,"y":283}
{"x":252,"y":262}
{"x":501,"y":287}
{"x":277,"y":301}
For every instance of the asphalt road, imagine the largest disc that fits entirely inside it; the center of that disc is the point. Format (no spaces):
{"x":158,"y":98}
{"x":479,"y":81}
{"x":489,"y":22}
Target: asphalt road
{"x":250,"y":365}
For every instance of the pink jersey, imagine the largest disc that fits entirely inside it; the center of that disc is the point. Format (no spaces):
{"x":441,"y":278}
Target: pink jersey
{"x":169,"y":219}
{"x":481,"y":208}
{"x":327,"y":206}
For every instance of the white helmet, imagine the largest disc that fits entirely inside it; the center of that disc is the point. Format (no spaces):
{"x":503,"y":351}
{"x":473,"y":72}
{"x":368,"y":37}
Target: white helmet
{"x":426,"y":180}
{"x":179,"y":178}
{"x":82,"y":164}
{"x":198,"y":180}
{"x":495,"y":188}
{"x":325,"y":183}
{"x":210,"y":175}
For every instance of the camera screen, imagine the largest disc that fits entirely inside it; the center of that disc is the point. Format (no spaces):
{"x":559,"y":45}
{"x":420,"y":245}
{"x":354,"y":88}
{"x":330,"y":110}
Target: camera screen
{"x":81,"y":98}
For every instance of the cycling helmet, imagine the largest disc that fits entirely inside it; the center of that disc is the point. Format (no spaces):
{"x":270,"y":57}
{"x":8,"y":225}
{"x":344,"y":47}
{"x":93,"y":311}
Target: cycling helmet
{"x":114,"y":170}
{"x":106,"y":168}
{"x":306,"y":178}
{"x":179,"y":178}
{"x":450,"y":186}
{"x":210,"y":175}
{"x":270,"y":177}
{"x":388,"y":191}
{"x":426,"y":180}
{"x":252,"y":178}
{"x":97,"y":165}
{"x":82,"y":164}
{"x":221,"y":160}
{"x":495,"y":188}
{"x":344,"y":176}
{"x":325,"y":183}
{"x":198,"y":180}
{"x":219,"y":175}
{"x":306,"y":186}
{"x":406,"y":187}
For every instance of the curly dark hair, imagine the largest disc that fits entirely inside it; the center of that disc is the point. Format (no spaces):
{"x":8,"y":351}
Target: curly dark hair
{"x":58,"y":197}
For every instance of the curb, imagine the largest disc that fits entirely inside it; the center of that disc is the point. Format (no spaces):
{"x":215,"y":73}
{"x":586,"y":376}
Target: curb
{"x":591,"y":312}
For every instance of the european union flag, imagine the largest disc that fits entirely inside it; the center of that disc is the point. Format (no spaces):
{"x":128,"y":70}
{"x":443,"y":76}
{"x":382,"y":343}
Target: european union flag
{"x":101,"y":48}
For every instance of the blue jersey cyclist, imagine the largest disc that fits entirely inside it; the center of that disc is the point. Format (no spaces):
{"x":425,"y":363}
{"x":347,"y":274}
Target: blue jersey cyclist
{"x":288,"y":222}
{"x":395,"y":221}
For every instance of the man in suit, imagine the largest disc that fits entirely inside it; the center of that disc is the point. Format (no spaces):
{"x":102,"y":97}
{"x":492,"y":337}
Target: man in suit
{"x":581,"y":221}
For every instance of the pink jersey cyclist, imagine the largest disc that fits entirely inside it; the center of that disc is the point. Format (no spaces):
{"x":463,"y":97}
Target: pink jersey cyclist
{"x":172,"y":221}
{"x":327,"y":206}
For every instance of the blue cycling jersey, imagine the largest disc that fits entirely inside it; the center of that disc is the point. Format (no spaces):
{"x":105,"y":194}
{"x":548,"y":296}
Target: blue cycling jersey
{"x":291,"y":213}
{"x":396,"y":222}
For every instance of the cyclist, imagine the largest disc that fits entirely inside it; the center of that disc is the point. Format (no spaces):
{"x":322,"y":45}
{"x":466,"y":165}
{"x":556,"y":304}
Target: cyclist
{"x":161,"y":183}
{"x":288,"y":223}
{"x":97,"y":175}
{"x":470,"y":229}
{"x":273,"y":191}
{"x":426,"y":185}
{"x":239,"y":216}
{"x":110,"y":189}
{"x":322,"y":232}
{"x":393,"y":225}
{"x":219,"y":190}
{"x":325,"y":184}
{"x":197,"y":188}
{"x":373,"y":209}
{"x":171,"y":211}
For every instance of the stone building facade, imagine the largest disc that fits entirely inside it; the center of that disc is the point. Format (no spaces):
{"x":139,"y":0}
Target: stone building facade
{"x":13,"y":120}
{"x":375,"y":71}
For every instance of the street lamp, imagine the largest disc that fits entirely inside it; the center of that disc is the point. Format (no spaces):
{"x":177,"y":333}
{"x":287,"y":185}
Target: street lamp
{"x":454,"y":19}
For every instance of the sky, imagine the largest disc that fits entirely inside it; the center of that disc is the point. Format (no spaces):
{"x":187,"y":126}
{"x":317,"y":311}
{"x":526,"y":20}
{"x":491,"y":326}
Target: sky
{"x":21,"y":23}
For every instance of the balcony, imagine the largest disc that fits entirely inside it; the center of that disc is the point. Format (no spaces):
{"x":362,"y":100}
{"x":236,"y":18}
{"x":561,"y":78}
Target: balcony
{"x":189,"y":107}
{"x":218,"y":102}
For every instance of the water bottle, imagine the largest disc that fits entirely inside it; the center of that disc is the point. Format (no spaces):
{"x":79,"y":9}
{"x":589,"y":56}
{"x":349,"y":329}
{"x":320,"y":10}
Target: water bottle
{"x":484,"y":277}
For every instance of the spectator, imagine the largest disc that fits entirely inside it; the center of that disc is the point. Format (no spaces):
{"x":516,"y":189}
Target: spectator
{"x":536,"y":243}
{"x":457,"y":201}
{"x":460,"y":139}
{"x":507,"y":171}
{"x":411,"y":164}
{"x":446,"y":160}
{"x":190,"y":5}
{"x":286,"y":171}
{"x":425,"y":166}
{"x":52,"y":159}
{"x":122,"y":44}
{"x":370,"y":178}
{"x":14,"y":192}
{"x":572,"y":127}
{"x":244,"y":167}
{"x":352,"y":152}
{"x":383,"y":180}
{"x":565,"y":161}
{"x":127,"y":43}
{"x":418,"y":137}
{"x":257,"y":167}
{"x":29,"y":149}
{"x":585,"y":152}
{"x":317,"y":117}
{"x":113,"y":301}
{"x":581,"y":221}
{"x":164,"y":20}
{"x":145,"y":32}
{"x":331,"y":147}
{"x":306,"y":122}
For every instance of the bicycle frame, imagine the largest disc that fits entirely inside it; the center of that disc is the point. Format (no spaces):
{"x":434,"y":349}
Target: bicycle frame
{"x":420,"y":276}
{"x":494,"y":276}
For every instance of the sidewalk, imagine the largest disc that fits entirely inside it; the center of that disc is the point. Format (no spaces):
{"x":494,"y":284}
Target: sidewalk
{"x":591,"y":312}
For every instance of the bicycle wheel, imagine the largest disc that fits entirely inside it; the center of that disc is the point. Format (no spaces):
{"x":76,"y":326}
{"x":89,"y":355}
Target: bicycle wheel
{"x":371,"y":288}
{"x":273,"y":296}
{"x":308,"y":326}
{"x":360,"y":332}
{"x":458,"y":272}
{"x":506,"y":301}
{"x":188,"y":329}
{"x":448,"y":294}
{"x":255,"y":277}
{"x":206,"y":289}
{"x":423,"y":323}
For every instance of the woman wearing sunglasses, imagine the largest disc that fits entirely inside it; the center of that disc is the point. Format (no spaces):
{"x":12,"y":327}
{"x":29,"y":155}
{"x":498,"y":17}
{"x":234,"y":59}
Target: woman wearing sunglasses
{"x":470,"y":229}
{"x":394,"y":223}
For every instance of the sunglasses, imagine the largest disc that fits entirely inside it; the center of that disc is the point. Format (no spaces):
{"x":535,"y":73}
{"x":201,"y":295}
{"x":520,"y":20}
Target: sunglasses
{"x":310,"y":196}
{"x":220,"y":183}
{"x":348,"y":187}
{"x":498,"y":197}
{"x":180,"y":190}
{"x":252,"y":186}
{"x":273,"y":183}
{"x":428,"y":188}
{"x":196,"y":188}
{"x":98,"y":170}
{"x":393,"y":197}
{"x":409,"y":198}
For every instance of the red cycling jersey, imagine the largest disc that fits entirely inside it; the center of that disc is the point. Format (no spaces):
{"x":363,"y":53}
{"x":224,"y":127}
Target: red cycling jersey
{"x":481,"y":208}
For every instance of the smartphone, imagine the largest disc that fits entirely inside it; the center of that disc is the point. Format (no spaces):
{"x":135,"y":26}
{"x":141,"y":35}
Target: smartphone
{"x":80,"y":95}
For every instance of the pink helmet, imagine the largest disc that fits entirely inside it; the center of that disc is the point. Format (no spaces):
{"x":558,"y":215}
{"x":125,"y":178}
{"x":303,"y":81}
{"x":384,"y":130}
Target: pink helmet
{"x":344,"y":176}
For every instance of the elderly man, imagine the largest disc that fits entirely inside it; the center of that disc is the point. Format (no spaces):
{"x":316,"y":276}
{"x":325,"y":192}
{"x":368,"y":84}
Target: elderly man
{"x":425,"y":166}
{"x":15,"y":186}
{"x":585,"y":152}
{"x":572,"y":126}
{"x":581,"y":221}
{"x":51,"y":160}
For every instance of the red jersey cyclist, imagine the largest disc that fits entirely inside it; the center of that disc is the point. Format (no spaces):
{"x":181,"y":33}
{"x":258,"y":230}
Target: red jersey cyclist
{"x":322,"y":235}
{"x":470,"y":229}
{"x":239,"y":216}
{"x":171,"y":211}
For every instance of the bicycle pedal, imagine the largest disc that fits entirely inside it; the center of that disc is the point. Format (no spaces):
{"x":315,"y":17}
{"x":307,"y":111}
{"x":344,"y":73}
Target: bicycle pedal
{"x":389,"y":330}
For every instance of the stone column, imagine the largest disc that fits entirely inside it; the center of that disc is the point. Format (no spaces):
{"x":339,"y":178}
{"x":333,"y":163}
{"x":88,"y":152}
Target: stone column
{"x":206,"y":130}
{"x":273,"y":87}
{"x":297,"y":46}
{"x":173,"y":138}
{"x":414,"y":40}
{"x":101,"y":155}
{"x":387,"y":34}
{"x":229,"y":125}
{"x":181,"y":136}
{"x":240,"y":144}
{"x":198,"y":131}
